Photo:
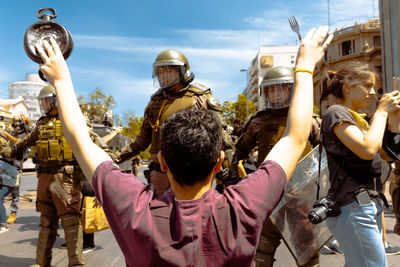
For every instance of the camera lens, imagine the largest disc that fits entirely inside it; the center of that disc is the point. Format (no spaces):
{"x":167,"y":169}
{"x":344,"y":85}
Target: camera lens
{"x":318,"y":215}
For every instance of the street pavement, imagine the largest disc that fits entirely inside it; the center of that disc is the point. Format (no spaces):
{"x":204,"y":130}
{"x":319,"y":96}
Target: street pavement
{"x":18,"y":245}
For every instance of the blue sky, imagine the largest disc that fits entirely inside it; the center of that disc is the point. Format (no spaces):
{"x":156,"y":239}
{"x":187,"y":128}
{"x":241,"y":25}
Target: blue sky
{"x":117,"y":41}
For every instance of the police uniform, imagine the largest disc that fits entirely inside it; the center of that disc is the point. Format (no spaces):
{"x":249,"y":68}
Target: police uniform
{"x":58,"y":190}
{"x":265,"y":129}
{"x":163,"y":104}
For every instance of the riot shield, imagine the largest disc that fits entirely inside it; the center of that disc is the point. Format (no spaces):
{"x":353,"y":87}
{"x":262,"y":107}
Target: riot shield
{"x":290,"y":217}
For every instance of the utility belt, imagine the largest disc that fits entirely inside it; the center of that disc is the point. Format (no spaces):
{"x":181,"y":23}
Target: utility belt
{"x":68,"y":169}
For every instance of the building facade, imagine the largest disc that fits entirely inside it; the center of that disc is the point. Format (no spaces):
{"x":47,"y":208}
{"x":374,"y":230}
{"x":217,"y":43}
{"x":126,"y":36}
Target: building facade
{"x":29,"y":90}
{"x":266,"y":58}
{"x":361,"y":42}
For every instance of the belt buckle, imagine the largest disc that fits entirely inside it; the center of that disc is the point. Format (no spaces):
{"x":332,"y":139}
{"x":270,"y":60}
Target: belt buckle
{"x":69,"y":169}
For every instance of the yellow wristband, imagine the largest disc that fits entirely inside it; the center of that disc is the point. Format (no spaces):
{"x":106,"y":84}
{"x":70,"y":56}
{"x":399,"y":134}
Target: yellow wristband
{"x":304,"y":70}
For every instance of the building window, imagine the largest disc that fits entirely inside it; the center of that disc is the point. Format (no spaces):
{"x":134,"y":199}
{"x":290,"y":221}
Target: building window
{"x":347,"y":48}
{"x":377,"y":41}
{"x":267,"y":61}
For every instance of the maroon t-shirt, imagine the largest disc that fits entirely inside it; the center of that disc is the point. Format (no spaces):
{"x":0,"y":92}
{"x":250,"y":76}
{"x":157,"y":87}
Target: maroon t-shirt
{"x":214,"y":230}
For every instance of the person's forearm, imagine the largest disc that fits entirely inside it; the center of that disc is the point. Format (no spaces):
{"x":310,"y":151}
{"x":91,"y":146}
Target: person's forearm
{"x":11,"y":138}
{"x":109,"y":137}
{"x":373,"y":137}
{"x":299,"y":121}
{"x":74,"y":127}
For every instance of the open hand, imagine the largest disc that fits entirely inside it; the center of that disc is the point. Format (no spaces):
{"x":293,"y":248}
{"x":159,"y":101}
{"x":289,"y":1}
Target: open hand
{"x":54,"y":66}
{"x":313,"y":47}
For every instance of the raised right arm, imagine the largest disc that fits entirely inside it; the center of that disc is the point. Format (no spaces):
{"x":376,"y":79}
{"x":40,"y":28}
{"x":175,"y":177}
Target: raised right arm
{"x":289,"y":148}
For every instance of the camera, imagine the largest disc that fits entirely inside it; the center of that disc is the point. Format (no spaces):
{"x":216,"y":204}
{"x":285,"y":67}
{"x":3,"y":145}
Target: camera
{"x":322,"y":209}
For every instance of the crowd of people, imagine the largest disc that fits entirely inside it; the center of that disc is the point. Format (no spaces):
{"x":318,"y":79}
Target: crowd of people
{"x":177,"y":219}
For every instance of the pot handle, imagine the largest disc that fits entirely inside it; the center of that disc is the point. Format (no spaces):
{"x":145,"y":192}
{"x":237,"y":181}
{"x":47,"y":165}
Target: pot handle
{"x":40,"y":14}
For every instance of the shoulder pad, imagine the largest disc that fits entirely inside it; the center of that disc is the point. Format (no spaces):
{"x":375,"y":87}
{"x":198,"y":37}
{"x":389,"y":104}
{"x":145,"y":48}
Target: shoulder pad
{"x":252,"y":117}
{"x":213,"y":102}
{"x":198,"y":88}
{"x":42,"y":120}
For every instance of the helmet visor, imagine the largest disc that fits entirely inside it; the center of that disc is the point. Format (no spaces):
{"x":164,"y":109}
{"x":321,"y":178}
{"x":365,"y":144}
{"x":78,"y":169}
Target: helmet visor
{"x":277,"y":95}
{"x":167,"y":75}
{"x":46,"y":103}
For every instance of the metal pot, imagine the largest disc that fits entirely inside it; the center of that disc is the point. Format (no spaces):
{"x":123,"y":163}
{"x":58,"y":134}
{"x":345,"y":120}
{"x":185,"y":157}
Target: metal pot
{"x":43,"y":30}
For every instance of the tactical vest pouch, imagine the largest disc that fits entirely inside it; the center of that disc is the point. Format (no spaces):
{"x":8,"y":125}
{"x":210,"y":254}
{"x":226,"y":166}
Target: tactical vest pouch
{"x":52,"y":145}
{"x":67,"y":150}
{"x":55,"y":151}
{"x":42,"y":150}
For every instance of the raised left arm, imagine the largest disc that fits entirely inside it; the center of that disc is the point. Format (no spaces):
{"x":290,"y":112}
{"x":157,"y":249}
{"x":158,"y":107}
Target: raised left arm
{"x":55,"y":69}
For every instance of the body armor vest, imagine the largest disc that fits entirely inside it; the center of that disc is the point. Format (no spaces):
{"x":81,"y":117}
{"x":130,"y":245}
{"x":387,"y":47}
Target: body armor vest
{"x":272,"y":129}
{"x":161,"y":107}
{"x":51,"y":146}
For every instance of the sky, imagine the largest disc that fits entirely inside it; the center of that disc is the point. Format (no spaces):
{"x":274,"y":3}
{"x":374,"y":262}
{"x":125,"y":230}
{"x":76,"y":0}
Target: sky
{"x":116,"y":42}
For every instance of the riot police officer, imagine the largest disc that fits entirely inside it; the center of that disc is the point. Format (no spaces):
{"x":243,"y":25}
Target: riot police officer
{"x":264,"y":129}
{"x":59,"y":183}
{"x":172,"y":74}
{"x":20,"y":129}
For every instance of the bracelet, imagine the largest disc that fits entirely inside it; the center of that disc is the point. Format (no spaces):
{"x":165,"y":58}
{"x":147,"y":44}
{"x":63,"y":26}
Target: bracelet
{"x":304,"y":70}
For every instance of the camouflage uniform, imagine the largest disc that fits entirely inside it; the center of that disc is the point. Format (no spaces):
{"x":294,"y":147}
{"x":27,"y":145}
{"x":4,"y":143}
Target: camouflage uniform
{"x":162,"y":105}
{"x":265,"y":128}
{"x":58,"y":190}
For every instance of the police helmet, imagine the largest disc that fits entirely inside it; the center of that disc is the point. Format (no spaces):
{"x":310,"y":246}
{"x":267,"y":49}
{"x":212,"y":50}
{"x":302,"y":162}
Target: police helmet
{"x":171,"y":67}
{"x":47,"y":99}
{"x":277,"y":86}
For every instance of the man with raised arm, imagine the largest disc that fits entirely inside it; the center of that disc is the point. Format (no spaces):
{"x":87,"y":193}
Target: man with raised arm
{"x":191,"y":224}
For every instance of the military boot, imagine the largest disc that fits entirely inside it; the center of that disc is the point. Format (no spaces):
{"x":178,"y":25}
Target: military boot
{"x":46,"y":239}
{"x":73,"y":237}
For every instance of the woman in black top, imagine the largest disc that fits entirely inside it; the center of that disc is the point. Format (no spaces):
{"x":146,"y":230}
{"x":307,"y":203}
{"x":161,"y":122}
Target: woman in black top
{"x":352,"y":147}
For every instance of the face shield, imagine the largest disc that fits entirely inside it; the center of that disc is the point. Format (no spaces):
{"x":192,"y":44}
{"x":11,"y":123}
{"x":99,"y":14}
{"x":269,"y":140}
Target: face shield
{"x":277,"y":94}
{"x":46,"y":103}
{"x":167,"y":75}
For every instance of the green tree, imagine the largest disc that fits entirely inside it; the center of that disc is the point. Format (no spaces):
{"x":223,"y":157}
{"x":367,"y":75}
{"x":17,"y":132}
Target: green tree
{"x":98,"y":106}
{"x":238,"y":109}
{"x":132,"y":129}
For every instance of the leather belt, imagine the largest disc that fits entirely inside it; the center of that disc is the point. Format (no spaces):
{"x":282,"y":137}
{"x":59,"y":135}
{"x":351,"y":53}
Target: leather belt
{"x":69,"y":169}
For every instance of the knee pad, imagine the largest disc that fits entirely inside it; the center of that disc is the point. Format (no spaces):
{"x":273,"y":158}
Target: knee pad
{"x":69,"y":220}
{"x":47,"y":221}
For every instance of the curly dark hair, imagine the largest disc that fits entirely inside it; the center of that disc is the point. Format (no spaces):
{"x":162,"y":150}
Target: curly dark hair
{"x":191,"y":140}
{"x":351,"y":74}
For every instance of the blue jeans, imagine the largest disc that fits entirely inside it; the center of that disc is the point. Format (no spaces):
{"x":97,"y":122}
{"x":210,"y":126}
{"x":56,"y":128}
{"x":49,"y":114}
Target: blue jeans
{"x":359,"y":232}
{"x":4,"y":191}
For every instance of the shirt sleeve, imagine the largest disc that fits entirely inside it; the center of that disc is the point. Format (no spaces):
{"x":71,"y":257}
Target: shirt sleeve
{"x":335,"y":115}
{"x":119,"y":193}
{"x":256,"y":196}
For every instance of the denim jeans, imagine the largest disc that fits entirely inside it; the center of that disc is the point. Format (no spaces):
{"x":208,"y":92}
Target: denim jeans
{"x":14,"y":199}
{"x":4,"y":191}
{"x":359,"y":232}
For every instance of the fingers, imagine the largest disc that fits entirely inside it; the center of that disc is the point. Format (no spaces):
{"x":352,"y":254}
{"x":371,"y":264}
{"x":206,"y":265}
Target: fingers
{"x":55,"y":46}
{"x":42,"y":54}
{"x":49,"y":49}
{"x":327,"y":41}
{"x":309,"y":34}
{"x":320,"y":34}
